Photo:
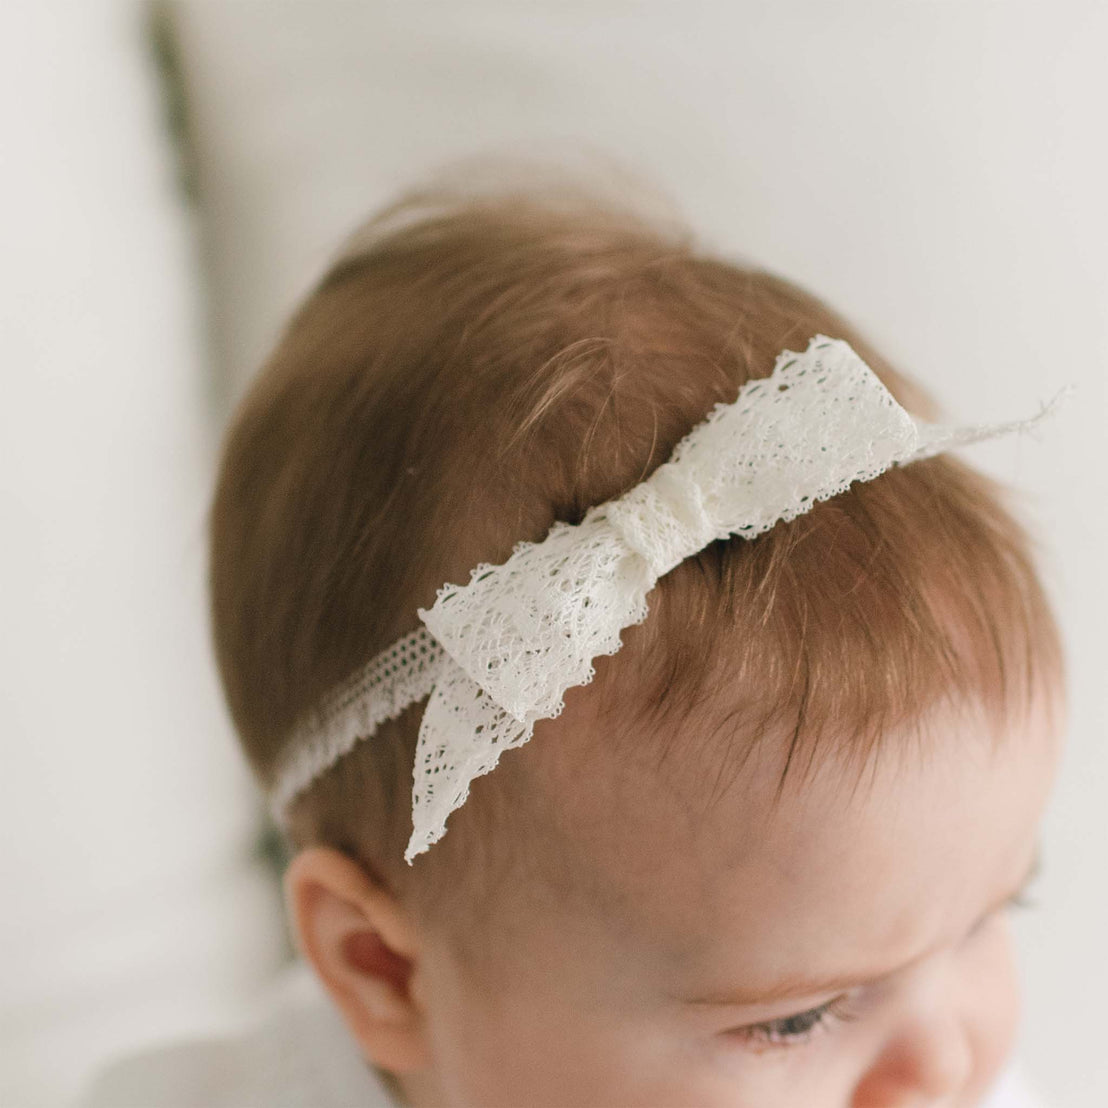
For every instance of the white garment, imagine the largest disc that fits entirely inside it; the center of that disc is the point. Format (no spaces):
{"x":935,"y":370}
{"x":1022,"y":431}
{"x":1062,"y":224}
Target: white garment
{"x":298,"y":1054}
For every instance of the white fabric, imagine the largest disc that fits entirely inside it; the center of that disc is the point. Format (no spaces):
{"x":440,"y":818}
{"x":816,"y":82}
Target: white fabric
{"x":519,"y":634}
{"x":1012,"y":1091}
{"x":294,"y":1053}
{"x":297,"y":1053}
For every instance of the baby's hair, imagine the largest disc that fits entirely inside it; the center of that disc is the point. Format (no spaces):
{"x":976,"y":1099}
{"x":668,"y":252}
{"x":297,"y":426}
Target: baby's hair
{"x":476,"y":366}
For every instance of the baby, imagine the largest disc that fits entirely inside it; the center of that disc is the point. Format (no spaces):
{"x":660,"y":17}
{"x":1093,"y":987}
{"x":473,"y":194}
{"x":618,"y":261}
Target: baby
{"x":763,"y":859}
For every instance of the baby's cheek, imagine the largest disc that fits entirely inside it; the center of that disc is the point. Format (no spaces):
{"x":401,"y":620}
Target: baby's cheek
{"x":994,"y":992}
{"x":547,"y":1057}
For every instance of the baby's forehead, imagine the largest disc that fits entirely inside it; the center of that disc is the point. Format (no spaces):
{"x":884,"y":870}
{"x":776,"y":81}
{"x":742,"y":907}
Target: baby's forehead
{"x":883,"y":854}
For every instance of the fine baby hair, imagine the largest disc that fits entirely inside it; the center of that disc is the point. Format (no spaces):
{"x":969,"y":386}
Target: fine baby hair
{"x":479,"y":371}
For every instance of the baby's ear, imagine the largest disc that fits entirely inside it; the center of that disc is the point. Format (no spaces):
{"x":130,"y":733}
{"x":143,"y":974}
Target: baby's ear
{"x":364,"y":951}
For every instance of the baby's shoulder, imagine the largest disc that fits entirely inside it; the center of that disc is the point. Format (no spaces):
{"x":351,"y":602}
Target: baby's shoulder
{"x":295,"y":1053}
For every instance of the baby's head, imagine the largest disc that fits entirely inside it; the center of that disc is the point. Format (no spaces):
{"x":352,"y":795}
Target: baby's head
{"x":762,"y":858}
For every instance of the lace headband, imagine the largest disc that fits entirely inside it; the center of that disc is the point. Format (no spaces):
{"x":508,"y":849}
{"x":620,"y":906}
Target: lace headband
{"x":496,"y":655}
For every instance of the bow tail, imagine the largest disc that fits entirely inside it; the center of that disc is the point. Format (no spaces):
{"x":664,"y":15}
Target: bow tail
{"x":462,"y":735}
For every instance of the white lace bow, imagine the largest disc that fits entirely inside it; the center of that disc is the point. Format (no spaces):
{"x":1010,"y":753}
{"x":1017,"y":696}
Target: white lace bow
{"x":497,"y":654}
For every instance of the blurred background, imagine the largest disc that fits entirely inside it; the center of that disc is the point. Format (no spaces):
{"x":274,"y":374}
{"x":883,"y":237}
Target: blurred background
{"x":176,"y":175}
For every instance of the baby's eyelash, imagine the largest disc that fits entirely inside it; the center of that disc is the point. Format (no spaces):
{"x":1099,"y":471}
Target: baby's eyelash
{"x":1022,"y":899}
{"x":799,"y":1027}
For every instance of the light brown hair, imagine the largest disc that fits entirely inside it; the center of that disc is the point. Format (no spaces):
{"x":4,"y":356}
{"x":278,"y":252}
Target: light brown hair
{"x":476,"y":367}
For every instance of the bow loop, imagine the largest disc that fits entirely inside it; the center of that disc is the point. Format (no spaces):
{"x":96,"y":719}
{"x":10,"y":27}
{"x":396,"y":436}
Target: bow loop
{"x":528,"y":629}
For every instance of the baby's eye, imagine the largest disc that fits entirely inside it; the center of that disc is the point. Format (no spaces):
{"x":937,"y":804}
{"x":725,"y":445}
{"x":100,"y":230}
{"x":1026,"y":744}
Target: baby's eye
{"x":797,"y":1028}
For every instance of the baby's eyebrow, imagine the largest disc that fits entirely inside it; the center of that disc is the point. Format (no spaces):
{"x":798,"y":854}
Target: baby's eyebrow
{"x":790,"y":987}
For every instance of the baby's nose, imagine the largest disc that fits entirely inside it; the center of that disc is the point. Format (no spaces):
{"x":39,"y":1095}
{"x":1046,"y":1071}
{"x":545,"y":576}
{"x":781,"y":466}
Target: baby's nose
{"x":926,"y":1064}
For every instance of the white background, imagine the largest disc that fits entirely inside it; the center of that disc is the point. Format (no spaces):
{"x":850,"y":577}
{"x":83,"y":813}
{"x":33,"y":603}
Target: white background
{"x":935,"y":170}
